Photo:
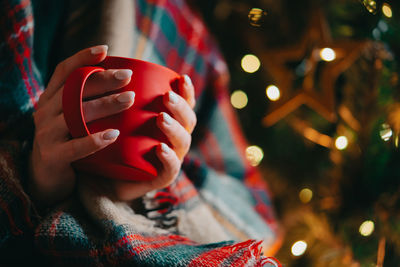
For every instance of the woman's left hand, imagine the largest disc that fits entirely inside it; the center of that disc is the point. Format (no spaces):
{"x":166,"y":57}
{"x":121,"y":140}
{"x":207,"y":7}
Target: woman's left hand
{"x":178,"y":128}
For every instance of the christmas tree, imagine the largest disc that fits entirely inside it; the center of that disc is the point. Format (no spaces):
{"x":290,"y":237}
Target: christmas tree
{"x":316,"y":88}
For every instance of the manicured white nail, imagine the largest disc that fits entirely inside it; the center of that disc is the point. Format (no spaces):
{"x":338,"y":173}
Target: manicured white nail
{"x":122,"y":74}
{"x":126,"y":97}
{"x":98,"y":49}
{"x":166,"y":118}
{"x":187,"y":79}
{"x":173,"y":98}
{"x":110,"y":135}
{"x":164,"y":148}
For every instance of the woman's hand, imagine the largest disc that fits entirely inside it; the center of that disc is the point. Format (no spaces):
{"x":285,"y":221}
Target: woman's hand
{"x":178,"y":128}
{"x":52,"y":177}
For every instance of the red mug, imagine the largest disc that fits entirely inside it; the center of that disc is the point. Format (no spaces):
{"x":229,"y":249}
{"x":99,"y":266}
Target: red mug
{"x":132,"y":156}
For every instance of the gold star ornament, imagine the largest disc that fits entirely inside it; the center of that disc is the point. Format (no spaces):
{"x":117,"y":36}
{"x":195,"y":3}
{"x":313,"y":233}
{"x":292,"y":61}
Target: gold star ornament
{"x":319,"y":62}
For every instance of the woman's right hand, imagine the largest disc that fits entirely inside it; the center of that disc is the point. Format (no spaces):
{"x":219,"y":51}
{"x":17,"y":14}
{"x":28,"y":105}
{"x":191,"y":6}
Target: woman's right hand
{"x":52,"y":177}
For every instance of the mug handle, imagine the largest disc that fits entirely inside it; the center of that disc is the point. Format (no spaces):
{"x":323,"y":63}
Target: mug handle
{"x":72,"y":100}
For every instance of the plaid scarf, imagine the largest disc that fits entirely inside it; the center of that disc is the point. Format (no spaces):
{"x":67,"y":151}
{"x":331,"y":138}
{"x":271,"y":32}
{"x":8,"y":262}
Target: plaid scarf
{"x":218,"y":196}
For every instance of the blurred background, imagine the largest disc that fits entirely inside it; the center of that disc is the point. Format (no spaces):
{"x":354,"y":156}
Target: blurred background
{"x":316,"y":87}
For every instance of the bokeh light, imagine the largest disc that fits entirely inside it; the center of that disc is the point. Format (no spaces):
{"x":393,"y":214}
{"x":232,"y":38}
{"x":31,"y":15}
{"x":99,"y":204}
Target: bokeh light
{"x":385,"y":132}
{"x":367,"y":228}
{"x":273,"y":93}
{"x":370,"y":5}
{"x":341,"y":142}
{"x":299,"y":247}
{"x":305,"y":195}
{"x":327,"y":54}
{"x":250,"y":63}
{"x":239,"y":99}
{"x":376,"y":33}
{"x":254,"y":155}
{"x":256,"y":16}
{"x":387,"y":10}
{"x":383,"y":26}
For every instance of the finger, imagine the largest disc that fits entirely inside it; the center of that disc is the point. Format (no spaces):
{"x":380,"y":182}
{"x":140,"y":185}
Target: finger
{"x":180,"y":110}
{"x":178,"y":136}
{"x":82,"y":147}
{"x":127,"y":191}
{"x":54,"y":132}
{"x":107,"y":105}
{"x":170,"y":166}
{"x":53,"y":106}
{"x":88,"y":56}
{"x":104,"y":81}
{"x":186,"y":90}
{"x":59,"y":129}
{"x":49,"y":111}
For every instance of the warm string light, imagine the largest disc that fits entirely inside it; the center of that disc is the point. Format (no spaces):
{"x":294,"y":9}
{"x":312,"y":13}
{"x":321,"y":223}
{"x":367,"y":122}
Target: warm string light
{"x":367,"y":228}
{"x":305,"y":195}
{"x":327,"y":54}
{"x":387,"y":10}
{"x":341,"y":142}
{"x":239,"y":99}
{"x":386,"y":132}
{"x":273,"y":93}
{"x":254,"y":155}
{"x":250,"y":63}
{"x":299,"y":248}
{"x":256,"y":16}
{"x":370,"y":5}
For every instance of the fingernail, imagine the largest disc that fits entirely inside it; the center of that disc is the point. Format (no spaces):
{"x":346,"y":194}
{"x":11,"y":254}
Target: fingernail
{"x":122,"y":74}
{"x":164,"y":148}
{"x":110,"y":135}
{"x":126,"y":97}
{"x":166,"y":118}
{"x":187,"y":79}
{"x":173,"y":98}
{"x":99,"y":49}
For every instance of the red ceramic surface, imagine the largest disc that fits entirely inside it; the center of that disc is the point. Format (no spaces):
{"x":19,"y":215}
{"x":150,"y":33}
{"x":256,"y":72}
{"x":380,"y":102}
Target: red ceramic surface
{"x":132,"y":156}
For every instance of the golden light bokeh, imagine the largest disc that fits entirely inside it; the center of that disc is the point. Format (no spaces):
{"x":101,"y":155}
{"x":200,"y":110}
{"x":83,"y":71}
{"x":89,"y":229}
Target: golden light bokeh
{"x":305,"y":195}
{"x":256,"y":16}
{"x":386,"y":132}
{"x":239,"y":99}
{"x":299,"y":248}
{"x":254,"y":155}
{"x":387,"y":10}
{"x":273,"y":93}
{"x":341,"y":142}
{"x":367,"y":228}
{"x":327,"y":54}
{"x":370,"y":5}
{"x":250,"y":63}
